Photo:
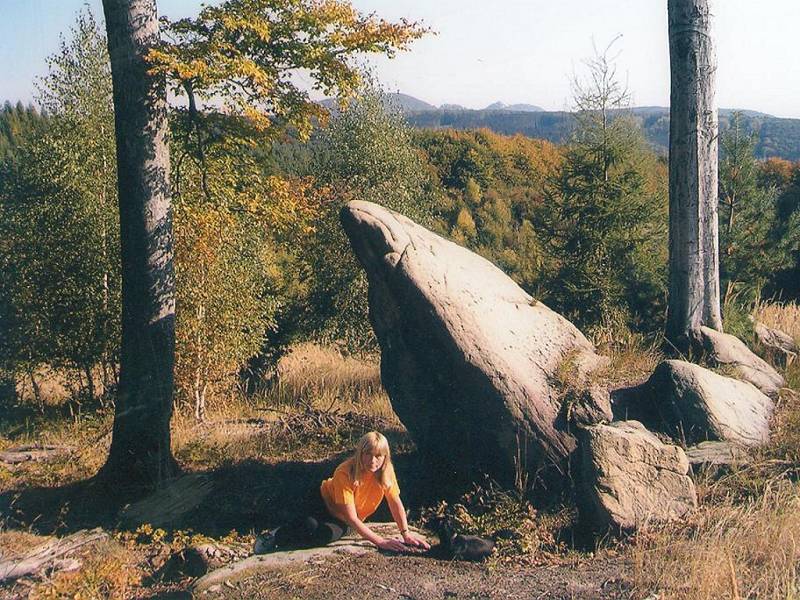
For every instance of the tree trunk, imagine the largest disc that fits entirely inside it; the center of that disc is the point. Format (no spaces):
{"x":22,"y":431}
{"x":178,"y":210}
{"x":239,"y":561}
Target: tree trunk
{"x":140,"y":454}
{"x":693,"y":175}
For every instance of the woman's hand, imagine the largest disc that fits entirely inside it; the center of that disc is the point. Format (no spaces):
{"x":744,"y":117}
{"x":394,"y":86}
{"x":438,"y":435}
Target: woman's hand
{"x":392,"y":545}
{"x":413,"y":540}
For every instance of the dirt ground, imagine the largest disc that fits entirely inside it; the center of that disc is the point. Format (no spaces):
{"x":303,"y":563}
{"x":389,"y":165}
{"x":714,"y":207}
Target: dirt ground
{"x":414,"y":578}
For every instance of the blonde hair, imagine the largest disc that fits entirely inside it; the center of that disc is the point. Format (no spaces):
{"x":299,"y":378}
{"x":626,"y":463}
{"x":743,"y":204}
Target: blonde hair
{"x":373,"y":442}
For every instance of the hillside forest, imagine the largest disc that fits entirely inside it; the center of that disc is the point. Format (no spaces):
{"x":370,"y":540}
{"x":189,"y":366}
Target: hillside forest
{"x":260,"y":259}
{"x":264,"y":272}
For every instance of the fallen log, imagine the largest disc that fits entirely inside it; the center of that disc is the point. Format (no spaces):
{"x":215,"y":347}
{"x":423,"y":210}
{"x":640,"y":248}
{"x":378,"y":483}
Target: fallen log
{"x":50,"y":555}
{"x":166,"y":506}
{"x":22,"y":454}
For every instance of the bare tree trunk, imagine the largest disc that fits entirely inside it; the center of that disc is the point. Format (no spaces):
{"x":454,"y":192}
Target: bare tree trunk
{"x":37,"y":392}
{"x":140,"y":454}
{"x":87,"y":369}
{"x":693,"y":174}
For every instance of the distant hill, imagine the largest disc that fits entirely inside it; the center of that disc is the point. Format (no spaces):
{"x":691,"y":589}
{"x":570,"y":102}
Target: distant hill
{"x":775,"y":137}
{"x":513,"y":107}
{"x":403,"y":102}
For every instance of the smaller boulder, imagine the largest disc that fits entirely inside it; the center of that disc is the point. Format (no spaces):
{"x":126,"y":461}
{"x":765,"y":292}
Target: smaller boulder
{"x":630,"y":478}
{"x":779,"y":344}
{"x":589,"y":406}
{"x":698,"y":405}
{"x":725,"y":349}
{"x":715,"y":457}
{"x":196,"y":561}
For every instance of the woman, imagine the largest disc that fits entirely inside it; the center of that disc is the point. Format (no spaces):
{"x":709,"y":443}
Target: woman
{"x":346,"y":500}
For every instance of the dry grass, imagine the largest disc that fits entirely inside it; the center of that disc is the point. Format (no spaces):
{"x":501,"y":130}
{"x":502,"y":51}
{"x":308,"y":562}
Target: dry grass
{"x":108,"y":572}
{"x":320,"y":405}
{"x":786,"y":318}
{"x":323,"y":377}
{"x":744,"y":542}
{"x":782,"y":316}
{"x":728,"y":550}
{"x":632,"y":361}
{"x":237,"y":427}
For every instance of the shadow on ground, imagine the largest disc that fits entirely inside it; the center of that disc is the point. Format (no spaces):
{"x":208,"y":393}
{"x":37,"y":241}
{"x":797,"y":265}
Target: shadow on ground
{"x":245,"y":496}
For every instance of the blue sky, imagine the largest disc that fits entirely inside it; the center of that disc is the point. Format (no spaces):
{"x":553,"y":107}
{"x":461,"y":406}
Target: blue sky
{"x":509,"y":50}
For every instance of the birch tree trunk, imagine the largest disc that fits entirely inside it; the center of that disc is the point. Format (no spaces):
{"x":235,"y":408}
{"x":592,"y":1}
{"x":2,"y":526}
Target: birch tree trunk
{"x":693,"y":174}
{"x":140,"y":452}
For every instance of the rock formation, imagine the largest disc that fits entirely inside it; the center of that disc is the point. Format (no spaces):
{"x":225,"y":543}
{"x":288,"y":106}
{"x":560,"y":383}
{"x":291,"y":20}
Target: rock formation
{"x":698,"y":405}
{"x":469,"y":360}
{"x":630,"y":478}
{"x":725,"y":349}
{"x":778,"y":343}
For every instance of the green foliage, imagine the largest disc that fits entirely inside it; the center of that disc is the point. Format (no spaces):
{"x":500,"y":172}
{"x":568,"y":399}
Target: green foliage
{"x":489,"y":511}
{"x":757,"y":238}
{"x":366,"y":153}
{"x":493,"y":185}
{"x":60,"y":287}
{"x":233,"y":277}
{"x":16,"y":120}
{"x":604,"y":217}
{"x":246,"y":52}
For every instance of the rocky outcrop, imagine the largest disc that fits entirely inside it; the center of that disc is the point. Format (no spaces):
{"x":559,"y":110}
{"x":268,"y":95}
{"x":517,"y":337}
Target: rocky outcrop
{"x":630,"y":478}
{"x":698,"y":405}
{"x":469,"y":360}
{"x":779,"y":344}
{"x":724,"y":349}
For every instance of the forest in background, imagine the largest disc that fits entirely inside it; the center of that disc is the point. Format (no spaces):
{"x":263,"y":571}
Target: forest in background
{"x":262,"y":262}
{"x":774,"y":137}
{"x":263,"y":268}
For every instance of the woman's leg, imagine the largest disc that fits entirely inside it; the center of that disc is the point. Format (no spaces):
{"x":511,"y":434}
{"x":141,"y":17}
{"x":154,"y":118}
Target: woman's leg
{"x":316,"y":527}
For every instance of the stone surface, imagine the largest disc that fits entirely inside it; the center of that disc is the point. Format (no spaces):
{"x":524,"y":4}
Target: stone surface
{"x":715,"y":454}
{"x":350,"y":544}
{"x":699,"y":405}
{"x":629,"y":478}
{"x":725,"y":349}
{"x":468,"y":358}
{"x":781,"y":345}
{"x":590,"y":406}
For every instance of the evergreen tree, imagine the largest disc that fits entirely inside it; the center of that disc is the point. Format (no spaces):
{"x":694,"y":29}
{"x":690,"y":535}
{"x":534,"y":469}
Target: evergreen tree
{"x":758,"y":236}
{"x":603,"y":218}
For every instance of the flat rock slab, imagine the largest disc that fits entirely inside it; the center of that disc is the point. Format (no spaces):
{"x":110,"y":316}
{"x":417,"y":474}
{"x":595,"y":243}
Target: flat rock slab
{"x":713,"y":455}
{"x":726,"y":349}
{"x":351,"y":544}
{"x":630,"y":478}
{"x":699,"y":405}
{"x":470,"y":361}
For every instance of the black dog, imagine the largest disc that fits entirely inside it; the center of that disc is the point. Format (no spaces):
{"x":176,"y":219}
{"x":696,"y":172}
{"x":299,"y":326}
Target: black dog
{"x":456,"y":546}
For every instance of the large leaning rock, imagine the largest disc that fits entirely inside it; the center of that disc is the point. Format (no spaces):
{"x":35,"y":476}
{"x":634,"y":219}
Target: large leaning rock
{"x":468,"y":359}
{"x":630,"y":478}
{"x":700,"y":405}
{"x":726,"y":349}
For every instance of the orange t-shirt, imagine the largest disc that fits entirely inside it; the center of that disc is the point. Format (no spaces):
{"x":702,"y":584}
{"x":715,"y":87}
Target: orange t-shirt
{"x":366,"y":497}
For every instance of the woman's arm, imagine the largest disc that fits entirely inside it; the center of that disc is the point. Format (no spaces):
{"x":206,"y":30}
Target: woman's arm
{"x":348,"y":514}
{"x":399,"y":515}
